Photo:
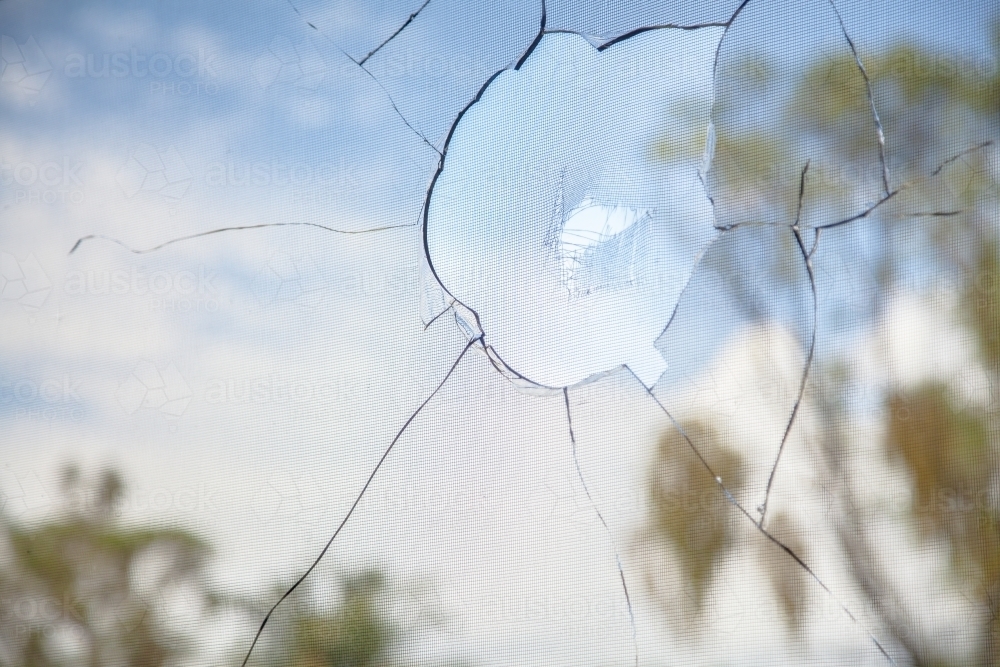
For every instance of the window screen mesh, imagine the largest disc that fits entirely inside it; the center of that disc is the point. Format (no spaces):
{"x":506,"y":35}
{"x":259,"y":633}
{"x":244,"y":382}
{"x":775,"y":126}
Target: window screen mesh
{"x":515,"y":333}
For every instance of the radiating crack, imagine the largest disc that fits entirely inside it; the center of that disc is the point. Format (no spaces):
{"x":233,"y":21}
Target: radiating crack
{"x":396,"y":108}
{"x":906,"y":186}
{"x":759,"y":526}
{"x":142,"y":251}
{"x":479,"y":337}
{"x":535,"y":41}
{"x":807,"y":260}
{"x":871,"y":98}
{"x":881,"y":201}
{"x":361,"y":64}
{"x":607,"y":529}
{"x":435,"y":318}
{"x":726,"y":27}
{"x":393,"y":35}
{"x":357,"y":499}
{"x":958,"y":156}
{"x":662,"y":26}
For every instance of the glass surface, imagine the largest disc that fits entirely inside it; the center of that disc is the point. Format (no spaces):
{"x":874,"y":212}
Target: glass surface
{"x":576,"y":333}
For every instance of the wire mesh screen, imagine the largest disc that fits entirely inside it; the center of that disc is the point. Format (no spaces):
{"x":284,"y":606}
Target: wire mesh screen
{"x":600,"y":333}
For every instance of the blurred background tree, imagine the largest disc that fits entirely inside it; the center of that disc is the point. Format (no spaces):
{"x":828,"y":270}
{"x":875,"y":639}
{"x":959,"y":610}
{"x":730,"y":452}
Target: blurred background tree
{"x":357,"y":625}
{"x":945,"y":447}
{"x":82,"y":589}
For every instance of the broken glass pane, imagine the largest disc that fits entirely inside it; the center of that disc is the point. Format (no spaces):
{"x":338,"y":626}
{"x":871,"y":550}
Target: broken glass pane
{"x":563,"y":333}
{"x":555,"y":220}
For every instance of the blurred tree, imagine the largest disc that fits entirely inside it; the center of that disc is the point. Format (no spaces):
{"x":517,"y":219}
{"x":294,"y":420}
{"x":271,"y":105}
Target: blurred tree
{"x":361,"y":624}
{"x":947,"y":450}
{"x":355,"y":634}
{"x":688,"y":514}
{"x":691,"y":518}
{"x":308,"y":631}
{"x":85,"y":590}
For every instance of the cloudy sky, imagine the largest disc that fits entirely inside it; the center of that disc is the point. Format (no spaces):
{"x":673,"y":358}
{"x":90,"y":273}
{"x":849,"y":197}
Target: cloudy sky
{"x":247,"y":382}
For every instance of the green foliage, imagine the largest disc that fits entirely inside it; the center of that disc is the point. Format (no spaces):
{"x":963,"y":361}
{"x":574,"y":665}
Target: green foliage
{"x":788,"y":583}
{"x":945,"y":451}
{"x":932,"y":106}
{"x":982,"y":296}
{"x":68,"y":587}
{"x":687,"y":509}
{"x":354,"y":634}
{"x":84,"y":589}
{"x":688,"y":512}
{"x":355,"y":625}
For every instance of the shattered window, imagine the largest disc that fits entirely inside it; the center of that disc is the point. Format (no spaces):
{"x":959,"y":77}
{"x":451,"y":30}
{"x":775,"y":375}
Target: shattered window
{"x":516,"y":333}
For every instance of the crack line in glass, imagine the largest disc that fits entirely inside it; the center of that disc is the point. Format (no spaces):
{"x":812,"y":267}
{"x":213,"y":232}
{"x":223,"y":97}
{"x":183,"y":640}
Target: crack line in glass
{"x":357,"y":499}
{"x":393,"y":35}
{"x":766,"y":533}
{"x":607,"y":529}
{"x":807,"y":260}
{"x":142,"y":251}
{"x":478,"y":336}
{"x":871,"y":98}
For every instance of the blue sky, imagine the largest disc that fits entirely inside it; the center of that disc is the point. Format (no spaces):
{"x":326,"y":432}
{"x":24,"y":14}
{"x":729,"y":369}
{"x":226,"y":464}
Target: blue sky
{"x":299,"y":352}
